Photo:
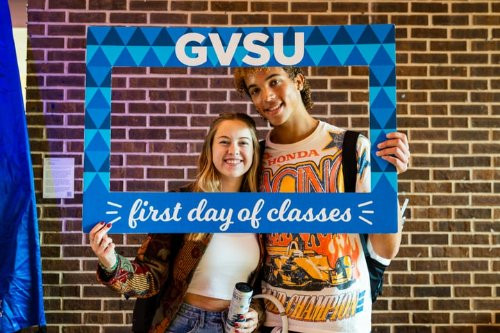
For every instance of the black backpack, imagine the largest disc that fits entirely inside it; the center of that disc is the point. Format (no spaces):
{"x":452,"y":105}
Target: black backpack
{"x":349,"y":168}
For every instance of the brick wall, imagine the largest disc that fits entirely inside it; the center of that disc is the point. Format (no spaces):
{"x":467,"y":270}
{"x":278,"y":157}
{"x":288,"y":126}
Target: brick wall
{"x":445,"y":277}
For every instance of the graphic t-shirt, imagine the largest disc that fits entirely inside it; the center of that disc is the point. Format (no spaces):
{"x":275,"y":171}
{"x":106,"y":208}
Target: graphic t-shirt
{"x":321,"y":279}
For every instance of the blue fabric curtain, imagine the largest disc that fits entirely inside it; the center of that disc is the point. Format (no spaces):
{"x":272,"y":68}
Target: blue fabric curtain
{"x":21,"y":294}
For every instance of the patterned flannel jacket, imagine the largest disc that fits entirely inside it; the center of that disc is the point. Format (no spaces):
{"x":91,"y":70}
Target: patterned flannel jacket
{"x":170,"y":260}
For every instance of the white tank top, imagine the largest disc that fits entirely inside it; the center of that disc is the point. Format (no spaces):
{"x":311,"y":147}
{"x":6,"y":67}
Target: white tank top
{"x":228,"y":259}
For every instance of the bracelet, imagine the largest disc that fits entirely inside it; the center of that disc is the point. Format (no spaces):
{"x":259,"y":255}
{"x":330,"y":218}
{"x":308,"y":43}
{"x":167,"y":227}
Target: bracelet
{"x":112,"y":269}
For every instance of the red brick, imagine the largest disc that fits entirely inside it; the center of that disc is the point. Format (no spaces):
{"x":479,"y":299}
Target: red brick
{"x":67,"y":81}
{"x":449,"y":97}
{"x":66,"y":4}
{"x":60,"y":265}
{"x":167,"y":95}
{"x":477,"y":213}
{"x":268,"y":6}
{"x":450,"y":200}
{"x":66,"y":55}
{"x":426,"y":7}
{"x":165,"y":173}
{"x":411,"y":46}
{"x":77,"y":43}
{"x":434,"y":317}
{"x":469,"y":8}
{"x":207,"y":95}
{"x":87,"y":17}
{"x":408,"y":305}
{"x":476,"y":161}
{"x":229,"y":6}
{"x":36,"y":4}
{"x":147,"y":134}
{"x":167,"y":121}
{"x":455,"y":304}
{"x":145,"y":160}
{"x":412,"y":20}
{"x":433,"y":58}
{"x":45,"y":42}
{"x":485,"y":71}
{"x":452,"y":20}
{"x":349,"y":7}
{"x":485,"y":122}
{"x":473,"y":318}
{"x":452,"y":278}
{"x":218,"y":108}
{"x":98,"y":318}
{"x":486,"y":201}
{"x":427,"y":265}
{"x":485,"y":148}
{"x":66,"y":30}
{"x":429,"y":84}
{"x":146,"y":108}
{"x":215,"y":19}
{"x":191,"y":6}
{"x":390,"y":7}
{"x":181,"y":160}
{"x":189,"y":108}
{"x":486,"y":20}
{"x":114,"y":305}
{"x":149,"y":5}
{"x":247,"y":19}
{"x":476,"y":291}
{"x":169,"y":18}
{"x":485,"y":97}
{"x":329,"y":19}
{"x":428,"y":33}
{"x":189,"y":82}
{"x":127,"y":18}
{"x":432,"y":291}
{"x":35,"y":29}
{"x":124,"y":173}
{"x":284,"y":19}
{"x":393,"y":317}
{"x":63,"y":318}
{"x":145,"y":186}
{"x":411,"y":71}
{"x":486,"y":278}
{"x":107,"y":4}
{"x":309,"y":7}
{"x":42,"y":16}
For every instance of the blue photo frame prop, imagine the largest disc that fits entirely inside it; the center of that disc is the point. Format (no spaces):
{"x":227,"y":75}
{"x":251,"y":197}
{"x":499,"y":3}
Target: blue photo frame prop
{"x":152,"y":212}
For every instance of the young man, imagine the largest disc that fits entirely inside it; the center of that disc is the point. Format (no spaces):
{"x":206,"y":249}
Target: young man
{"x":321,"y":279}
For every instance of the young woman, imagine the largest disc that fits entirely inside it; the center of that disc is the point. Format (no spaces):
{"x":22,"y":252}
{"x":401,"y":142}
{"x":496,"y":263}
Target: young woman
{"x":196,"y":272}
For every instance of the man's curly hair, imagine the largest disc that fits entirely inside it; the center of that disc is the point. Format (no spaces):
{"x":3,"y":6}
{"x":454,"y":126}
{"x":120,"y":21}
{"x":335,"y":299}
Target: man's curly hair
{"x":241,"y":72}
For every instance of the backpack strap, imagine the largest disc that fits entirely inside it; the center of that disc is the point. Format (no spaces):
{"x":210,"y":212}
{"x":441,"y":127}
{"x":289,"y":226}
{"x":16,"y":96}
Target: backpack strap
{"x":350,"y":170}
{"x":349,"y":163}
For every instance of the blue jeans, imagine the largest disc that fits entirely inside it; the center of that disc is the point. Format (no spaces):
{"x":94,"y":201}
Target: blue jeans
{"x":191,"y":319}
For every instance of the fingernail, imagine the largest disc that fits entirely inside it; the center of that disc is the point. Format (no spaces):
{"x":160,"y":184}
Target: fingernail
{"x":109,"y":225}
{"x":377,"y":153}
{"x":101,"y":223}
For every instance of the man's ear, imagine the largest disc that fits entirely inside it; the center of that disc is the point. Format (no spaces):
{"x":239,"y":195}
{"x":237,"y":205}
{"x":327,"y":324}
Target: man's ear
{"x":299,"y":81}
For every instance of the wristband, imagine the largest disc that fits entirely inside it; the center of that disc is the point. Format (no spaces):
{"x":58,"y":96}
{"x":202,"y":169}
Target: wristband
{"x":112,"y":269}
